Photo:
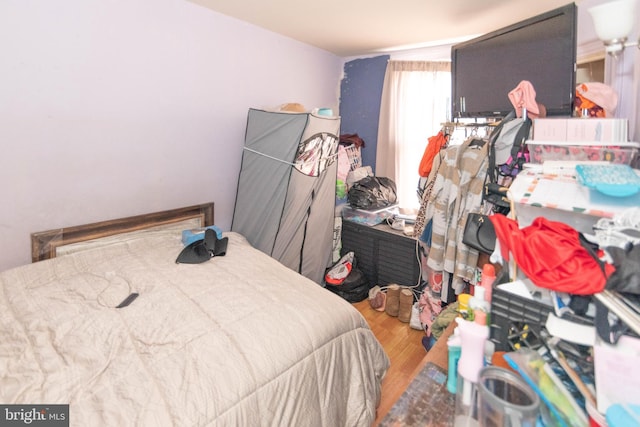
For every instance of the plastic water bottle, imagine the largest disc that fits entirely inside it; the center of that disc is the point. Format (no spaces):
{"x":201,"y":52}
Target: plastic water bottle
{"x":454,"y":345}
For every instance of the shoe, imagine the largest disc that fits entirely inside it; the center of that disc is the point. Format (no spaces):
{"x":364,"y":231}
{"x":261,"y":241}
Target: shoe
{"x":377,"y":298}
{"x":415,"y":317}
{"x":428,"y":342}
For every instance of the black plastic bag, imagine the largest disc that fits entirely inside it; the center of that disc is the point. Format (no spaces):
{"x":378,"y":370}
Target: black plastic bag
{"x":355,"y":287}
{"x":372,"y":193}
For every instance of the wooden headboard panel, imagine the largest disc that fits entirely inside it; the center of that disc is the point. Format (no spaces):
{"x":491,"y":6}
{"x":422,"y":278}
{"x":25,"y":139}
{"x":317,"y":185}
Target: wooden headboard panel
{"x":44,"y":243}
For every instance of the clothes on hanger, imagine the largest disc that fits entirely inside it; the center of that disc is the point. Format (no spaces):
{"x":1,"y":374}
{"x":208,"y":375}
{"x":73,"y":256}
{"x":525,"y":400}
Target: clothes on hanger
{"x":457,"y":190}
{"x":435,"y":143}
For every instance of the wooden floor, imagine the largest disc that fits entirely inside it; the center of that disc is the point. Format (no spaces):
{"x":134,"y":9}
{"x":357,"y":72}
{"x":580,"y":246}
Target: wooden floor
{"x":404,"y":347}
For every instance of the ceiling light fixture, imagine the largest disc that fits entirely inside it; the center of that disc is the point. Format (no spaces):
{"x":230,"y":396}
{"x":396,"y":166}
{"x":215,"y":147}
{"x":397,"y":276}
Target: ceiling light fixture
{"x":613,"y":23}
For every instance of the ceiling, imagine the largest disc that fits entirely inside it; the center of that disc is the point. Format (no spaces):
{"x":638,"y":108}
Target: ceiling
{"x":364,"y":27}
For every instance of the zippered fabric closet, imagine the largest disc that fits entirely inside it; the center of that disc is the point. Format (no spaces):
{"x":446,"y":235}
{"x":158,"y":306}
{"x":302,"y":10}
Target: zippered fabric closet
{"x":285,"y":203}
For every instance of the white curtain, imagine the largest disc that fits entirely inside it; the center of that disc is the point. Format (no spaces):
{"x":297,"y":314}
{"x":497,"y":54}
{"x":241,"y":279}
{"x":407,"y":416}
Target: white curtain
{"x":623,"y":75}
{"x":415,"y":103}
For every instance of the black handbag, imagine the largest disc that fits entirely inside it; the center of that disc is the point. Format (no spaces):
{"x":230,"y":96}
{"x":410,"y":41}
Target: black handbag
{"x":497,"y":197}
{"x":479,"y":233}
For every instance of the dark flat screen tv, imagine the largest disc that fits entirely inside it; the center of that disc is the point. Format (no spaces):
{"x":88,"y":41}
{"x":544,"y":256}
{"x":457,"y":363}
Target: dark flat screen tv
{"x":541,"y":50}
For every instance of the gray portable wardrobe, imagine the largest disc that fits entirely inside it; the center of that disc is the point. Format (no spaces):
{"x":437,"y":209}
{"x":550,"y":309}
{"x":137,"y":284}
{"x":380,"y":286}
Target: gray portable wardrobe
{"x":287,"y":188}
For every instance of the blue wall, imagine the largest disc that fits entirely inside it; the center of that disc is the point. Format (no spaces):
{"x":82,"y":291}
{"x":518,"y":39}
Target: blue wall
{"x":360,"y":94}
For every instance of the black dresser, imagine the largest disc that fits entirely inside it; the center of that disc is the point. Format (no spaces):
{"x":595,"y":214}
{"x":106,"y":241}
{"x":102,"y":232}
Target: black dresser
{"x":383,"y":254}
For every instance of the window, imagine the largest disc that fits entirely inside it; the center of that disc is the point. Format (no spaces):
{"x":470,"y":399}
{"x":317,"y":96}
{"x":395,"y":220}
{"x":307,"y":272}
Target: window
{"x":415,"y":103}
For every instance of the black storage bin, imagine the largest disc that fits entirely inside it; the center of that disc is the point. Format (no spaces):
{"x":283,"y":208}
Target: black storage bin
{"x":384,"y":255}
{"x":516,"y":321}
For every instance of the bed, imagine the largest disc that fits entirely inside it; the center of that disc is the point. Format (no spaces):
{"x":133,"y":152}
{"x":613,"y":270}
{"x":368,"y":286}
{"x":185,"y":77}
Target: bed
{"x":239,"y":340}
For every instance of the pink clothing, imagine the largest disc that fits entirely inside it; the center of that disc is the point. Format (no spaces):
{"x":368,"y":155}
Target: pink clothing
{"x":600,"y":94}
{"x":524,"y":96}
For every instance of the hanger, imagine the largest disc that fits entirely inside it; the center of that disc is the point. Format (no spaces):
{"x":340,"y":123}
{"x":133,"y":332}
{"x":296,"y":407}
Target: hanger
{"x":448,"y":128}
{"x":477,"y":142}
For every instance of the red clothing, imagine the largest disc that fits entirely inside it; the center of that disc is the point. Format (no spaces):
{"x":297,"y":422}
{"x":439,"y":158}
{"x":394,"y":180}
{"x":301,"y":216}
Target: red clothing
{"x":551,"y":255}
{"x":434,"y":146}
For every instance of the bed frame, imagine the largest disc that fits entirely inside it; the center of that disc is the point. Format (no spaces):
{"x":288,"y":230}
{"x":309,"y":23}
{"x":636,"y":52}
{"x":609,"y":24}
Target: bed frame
{"x":44,"y":243}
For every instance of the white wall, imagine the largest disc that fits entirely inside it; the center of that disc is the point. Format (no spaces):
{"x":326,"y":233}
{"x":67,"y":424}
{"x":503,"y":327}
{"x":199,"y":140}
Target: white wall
{"x":122,"y":107}
{"x":622,"y":73}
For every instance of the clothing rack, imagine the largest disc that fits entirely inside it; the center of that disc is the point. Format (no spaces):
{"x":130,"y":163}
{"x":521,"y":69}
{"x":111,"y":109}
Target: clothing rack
{"x":470,"y":128}
{"x":613,"y":301}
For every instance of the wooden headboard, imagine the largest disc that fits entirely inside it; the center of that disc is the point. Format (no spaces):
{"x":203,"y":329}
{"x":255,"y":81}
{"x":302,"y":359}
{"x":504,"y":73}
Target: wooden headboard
{"x":44,"y":243}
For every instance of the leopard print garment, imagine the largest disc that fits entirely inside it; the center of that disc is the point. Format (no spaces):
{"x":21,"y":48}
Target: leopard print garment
{"x":418,"y":227}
